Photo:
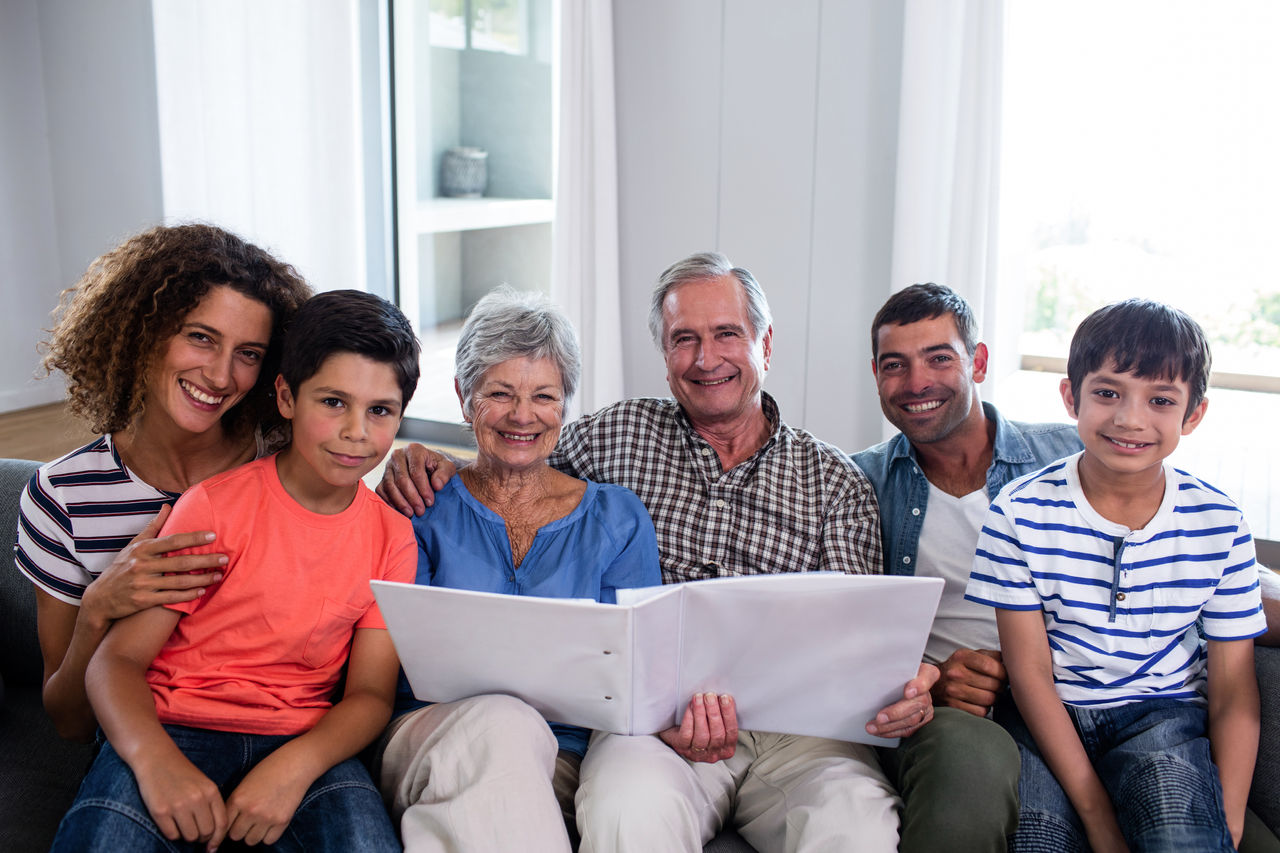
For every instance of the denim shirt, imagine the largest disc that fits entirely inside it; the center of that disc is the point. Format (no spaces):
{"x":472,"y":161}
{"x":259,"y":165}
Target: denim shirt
{"x":903,"y":490}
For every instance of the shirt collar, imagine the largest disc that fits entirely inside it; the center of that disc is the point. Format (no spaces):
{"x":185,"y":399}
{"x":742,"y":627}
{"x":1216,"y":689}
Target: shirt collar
{"x":1010,"y":446}
{"x":767,"y":404}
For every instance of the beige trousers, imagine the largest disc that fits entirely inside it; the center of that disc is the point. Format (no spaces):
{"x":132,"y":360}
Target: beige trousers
{"x":783,"y":793}
{"x":476,"y":776}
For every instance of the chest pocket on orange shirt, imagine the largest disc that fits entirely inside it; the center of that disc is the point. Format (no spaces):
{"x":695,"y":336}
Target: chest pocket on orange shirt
{"x":331,"y":636}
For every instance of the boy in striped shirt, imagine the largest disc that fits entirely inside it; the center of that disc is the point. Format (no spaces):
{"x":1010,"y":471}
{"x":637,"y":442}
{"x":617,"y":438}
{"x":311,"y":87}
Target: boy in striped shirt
{"x":1127,"y":599}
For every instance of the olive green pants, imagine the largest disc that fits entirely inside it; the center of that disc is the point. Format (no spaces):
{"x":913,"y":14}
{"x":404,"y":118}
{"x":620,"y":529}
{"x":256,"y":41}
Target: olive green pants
{"x":958,"y":779}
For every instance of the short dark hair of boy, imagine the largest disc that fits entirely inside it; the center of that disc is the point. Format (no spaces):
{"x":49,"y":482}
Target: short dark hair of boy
{"x":1146,"y":338}
{"x":355,"y":322}
{"x":925,"y":302}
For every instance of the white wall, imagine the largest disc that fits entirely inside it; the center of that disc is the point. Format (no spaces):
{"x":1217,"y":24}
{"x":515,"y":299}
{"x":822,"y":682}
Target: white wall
{"x":767,"y":131}
{"x":79,"y":161}
{"x":29,"y":271}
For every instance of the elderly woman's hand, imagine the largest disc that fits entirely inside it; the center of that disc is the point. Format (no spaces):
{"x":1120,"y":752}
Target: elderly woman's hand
{"x":413,"y":476}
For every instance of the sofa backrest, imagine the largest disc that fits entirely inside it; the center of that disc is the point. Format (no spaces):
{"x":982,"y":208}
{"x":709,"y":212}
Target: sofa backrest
{"x":20,"y":662}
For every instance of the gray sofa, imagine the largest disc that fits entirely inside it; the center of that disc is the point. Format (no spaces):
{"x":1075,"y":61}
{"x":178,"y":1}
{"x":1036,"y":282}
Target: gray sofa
{"x":39,"y":772}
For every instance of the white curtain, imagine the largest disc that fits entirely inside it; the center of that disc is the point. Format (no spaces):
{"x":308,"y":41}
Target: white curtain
{"x":584,"y":268}
{"x":947,"y":193}
{"x":260,"y":127}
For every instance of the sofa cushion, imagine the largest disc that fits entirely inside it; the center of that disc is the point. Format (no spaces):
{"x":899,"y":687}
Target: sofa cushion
{"x":20,"y":662}
{"x":1264,"y":796}
{"x":40,"y":772}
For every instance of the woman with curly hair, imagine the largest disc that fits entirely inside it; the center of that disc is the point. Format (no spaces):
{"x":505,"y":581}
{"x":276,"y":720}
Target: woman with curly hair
{"x":170,"y":344}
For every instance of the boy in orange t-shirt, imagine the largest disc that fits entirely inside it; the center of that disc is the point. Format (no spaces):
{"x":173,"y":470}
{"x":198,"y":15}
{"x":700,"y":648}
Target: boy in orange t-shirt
{"x":218,"y":711}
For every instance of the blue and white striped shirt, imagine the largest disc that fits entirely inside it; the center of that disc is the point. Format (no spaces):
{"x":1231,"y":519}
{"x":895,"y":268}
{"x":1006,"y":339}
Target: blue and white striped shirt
{"x":76,"y":513}
{"x":1121,"y":606}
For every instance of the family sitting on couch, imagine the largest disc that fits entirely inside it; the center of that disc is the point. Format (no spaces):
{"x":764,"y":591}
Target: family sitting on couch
{"x":202,"y":575}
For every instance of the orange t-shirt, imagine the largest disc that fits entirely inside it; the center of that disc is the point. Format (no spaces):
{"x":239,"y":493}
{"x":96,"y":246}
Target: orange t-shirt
{"x":261,"y":651}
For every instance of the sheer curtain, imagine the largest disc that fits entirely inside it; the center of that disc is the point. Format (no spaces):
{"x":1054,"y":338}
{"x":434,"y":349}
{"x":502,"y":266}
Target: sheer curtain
{"x":947,"y":193}
{"x":260,"y":127}
{"x":584,"y":268}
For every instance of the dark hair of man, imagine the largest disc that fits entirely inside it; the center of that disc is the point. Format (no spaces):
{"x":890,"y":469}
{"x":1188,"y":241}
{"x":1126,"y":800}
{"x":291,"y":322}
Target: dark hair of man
{"x":1146,"y":338}
{"x":925,"y":302}
{"x":355,"y":322}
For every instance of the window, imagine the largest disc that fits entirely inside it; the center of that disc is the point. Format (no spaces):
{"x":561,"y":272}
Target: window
{"x":472,"y":100}
{"x":1139,"y":159}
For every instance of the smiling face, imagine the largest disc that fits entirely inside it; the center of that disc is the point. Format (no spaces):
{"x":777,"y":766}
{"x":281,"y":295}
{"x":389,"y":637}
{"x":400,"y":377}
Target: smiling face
{"x":1129,"y":424}
{"x":345,"y":418}
{"x":517,"y":410}
{"x":212,"y":361}
{"x":926,"y":380}
{"x":716,"y":363}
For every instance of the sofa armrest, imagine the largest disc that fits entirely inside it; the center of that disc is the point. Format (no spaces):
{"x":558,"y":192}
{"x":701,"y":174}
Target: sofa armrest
{"x":1264,"y":796}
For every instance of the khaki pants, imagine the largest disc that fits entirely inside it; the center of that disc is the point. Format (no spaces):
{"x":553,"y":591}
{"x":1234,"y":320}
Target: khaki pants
{"x":475,"y":775}
{"x":783,"y":793}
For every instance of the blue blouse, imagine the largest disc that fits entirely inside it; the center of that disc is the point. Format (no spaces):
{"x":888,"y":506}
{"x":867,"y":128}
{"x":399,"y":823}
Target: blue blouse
{"x":606,"y":543}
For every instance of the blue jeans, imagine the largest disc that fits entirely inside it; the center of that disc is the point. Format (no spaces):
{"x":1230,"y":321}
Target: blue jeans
{"x":1152,"y":757}
{"x":341,"y":811}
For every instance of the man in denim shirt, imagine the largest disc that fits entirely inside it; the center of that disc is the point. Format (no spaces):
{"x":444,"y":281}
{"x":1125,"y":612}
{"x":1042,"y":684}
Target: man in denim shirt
{"x":953,"y":455}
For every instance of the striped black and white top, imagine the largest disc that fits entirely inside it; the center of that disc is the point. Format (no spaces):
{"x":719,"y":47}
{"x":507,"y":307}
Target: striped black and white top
{"x":1125,"y":610}
{"x":76,"y":513}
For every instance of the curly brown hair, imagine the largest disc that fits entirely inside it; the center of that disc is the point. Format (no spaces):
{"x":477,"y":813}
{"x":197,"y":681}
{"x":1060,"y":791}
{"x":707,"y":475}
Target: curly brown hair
{"x":113,"y":323}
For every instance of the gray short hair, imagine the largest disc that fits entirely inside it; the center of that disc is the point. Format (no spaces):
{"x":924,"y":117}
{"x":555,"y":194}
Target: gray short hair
{"x":702,"y":266}
{"x":507,"y":324}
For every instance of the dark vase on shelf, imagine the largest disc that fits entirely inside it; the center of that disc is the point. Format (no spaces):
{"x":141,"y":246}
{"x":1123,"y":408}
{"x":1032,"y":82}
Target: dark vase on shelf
{"x":464,"y":172}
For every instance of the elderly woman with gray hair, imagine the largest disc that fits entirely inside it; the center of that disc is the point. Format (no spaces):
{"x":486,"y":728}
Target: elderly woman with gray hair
{"x":488,"y":773}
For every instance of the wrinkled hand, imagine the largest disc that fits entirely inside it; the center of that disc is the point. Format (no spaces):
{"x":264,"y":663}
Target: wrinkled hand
{"x":184,"y":803}
{"x":913,"y":710}
{"x":142,"y":576}
{"x":971,"y":680}
{"x":708,"y":731}
{"x":261,"y":806}
{"x":413,"y":476}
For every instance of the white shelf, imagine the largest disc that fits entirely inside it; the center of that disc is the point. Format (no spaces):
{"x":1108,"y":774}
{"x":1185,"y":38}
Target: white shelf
{"x":438,"y":215}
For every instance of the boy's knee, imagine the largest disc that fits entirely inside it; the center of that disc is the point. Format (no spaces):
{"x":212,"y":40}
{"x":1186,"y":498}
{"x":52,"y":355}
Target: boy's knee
{"x":1046,"y":832}
{"x":1166,"y":790}
{"x":98,"y":824}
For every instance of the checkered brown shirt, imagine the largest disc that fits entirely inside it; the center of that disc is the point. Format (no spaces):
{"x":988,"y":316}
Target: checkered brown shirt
{"x":797,"y":505}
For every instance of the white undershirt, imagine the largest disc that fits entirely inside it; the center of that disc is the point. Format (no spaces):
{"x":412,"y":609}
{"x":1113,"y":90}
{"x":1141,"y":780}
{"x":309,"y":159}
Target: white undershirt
{"x":947,"y":540}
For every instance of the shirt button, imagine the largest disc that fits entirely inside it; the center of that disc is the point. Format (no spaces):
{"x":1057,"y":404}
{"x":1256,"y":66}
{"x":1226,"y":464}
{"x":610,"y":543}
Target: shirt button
{"x":915,"y":510}
{"x":1120,"y":596}
{"x":705,"y":451}
{"x":906,"y":561}
{"x":720,"y":504}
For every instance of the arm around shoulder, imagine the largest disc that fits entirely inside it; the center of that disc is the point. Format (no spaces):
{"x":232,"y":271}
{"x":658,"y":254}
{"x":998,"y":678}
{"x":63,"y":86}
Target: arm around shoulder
{"x":140,"y":577}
